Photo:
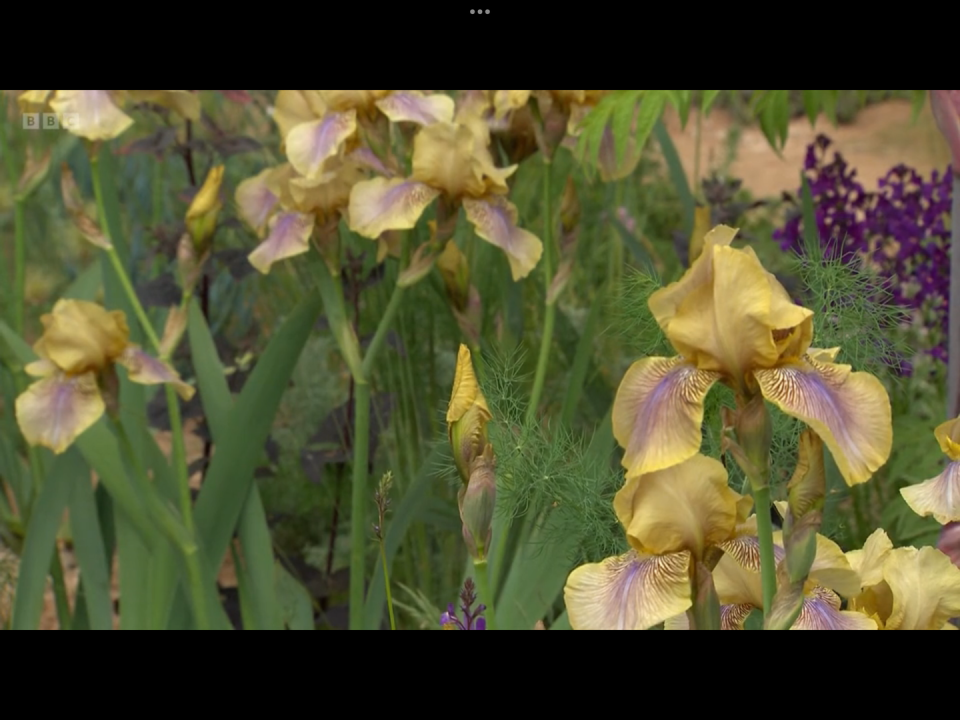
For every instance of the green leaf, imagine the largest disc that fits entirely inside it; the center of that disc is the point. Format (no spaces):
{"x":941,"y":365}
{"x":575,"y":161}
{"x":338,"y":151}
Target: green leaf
{"x":829,"y":99}
{"x":651,"y":108}
{"x":918,"y":100}
{"x":87,"y":284}
{"x":91,"y":556}
{"x":562,"y":622}
{"x":681,"y":100}
{"x":230,"y":473}
{"x":621,"y":122}
{"x":811,"y":104}
{"x":342,"y":329}
{"x":773,"y":110}
{"x":41,"y":540}
{"x":295,"y":602}
{"x":581,"y":361}
{"x":709,"y":96}
{"x":677,"y":175}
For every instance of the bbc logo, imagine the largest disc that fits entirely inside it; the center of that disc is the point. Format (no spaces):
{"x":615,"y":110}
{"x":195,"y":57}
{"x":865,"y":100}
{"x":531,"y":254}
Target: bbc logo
{"x":51,"y":121}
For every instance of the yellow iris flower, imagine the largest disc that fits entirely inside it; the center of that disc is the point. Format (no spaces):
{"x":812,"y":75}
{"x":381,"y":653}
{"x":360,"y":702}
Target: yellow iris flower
{"x":98,"y":114}
{"x":284,"y":208}
{"x":905,"y":588}
{"x":81,"y":340}
{"x":317,"y":125}
{"x":940,"y":496}
{"x":738,"y":584}
{"x":671,"y":517}
{"x":450,"y":159}
{"x":732,"y":321}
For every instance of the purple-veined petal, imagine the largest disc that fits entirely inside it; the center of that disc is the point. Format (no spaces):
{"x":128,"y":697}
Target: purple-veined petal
{"x":310,"y":144}
{"x":821,"y":611}
{"x":380,"y":204}
{"x":289,"y":236}
{"x":495,"y":220}
{"x":145,"y":369}
{"x":54,"y":411}
{"x":415,"y":107}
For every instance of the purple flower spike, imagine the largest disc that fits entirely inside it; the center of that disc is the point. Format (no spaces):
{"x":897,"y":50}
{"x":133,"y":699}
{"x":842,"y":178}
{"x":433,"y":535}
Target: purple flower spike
{"x":472,"y":618}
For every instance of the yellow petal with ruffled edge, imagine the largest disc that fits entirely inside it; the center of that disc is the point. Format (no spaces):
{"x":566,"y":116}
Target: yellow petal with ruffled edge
{"x":685,"y":507}
{"x":295,"y":107}
{"x":728,"y":324}
{"x":289,"y":236}
{"x":925,"y":587}
{"x":506,"y":101}
{"x":495,"y":220}
{"x":658,"y":411}
{"x":628,"y":592}
{"x":32,"y":100}
{"x":443,"y":158}
{"x":665,"y":302}
{"x":948,"y":437}
{"x":821,"y":611}
{"x":81,"y":336}
{"x":380,"y":204}
{"x":830,"y":568}
{"x":868,"y":561}
{"x":55,"y":411}
{"x":850,"y":411}
{"x":737,"y":576}
{"x":96,"y":115}
{"x":939,"y":496}
{"x":415,"y":107}
{"x":310,"y":144}
{"x":255,"y":201}
{"x":145,"y":369}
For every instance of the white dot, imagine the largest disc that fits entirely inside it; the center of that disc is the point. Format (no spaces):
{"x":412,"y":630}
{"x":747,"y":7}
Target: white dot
{"x":473,"y":12}
{"x":488,"y":12}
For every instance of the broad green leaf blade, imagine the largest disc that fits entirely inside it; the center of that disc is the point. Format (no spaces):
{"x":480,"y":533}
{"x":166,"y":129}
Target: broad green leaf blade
{"x":811,"y":104}
{"x":651,"y":108}
{"x":296,"y":604}
{"x":134,"y":562}
{"x":621,"y":121}
{"x":211,"y":382}
{"x":41,"y":540}
{"x":709,"y":97}
{"x":342,"y":329}
{"x":91,"y":555}
{"x":562,"y":622}
{"x":829,"y":98}
{"x":677,"y":175}
{"x":681,"y":100}
{"x":230,"y":473}
{"x":87,"y":284}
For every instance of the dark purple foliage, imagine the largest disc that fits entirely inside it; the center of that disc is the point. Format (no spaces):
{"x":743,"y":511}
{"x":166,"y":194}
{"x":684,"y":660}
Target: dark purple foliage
{"x":900,"y":229}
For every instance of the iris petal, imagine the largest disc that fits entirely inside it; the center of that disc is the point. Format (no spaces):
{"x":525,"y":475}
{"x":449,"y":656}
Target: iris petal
{"x":289,"y":236}
{"x":831,"y":568}
{"x":850,"y":411}
{"x":310,"y":144}
{"x":380,"y":204}
{"x":495,"y":220}
{"x":925,"y":587}
{"x":868,"y":561}
{"x":54,"y":411}
{"x":255,"y":201}
{"x":821,"y":611}
{"x":415,"y":107}
{"x":658,"y":413}
{"x":737,"y":576}
{"x":732,"y":617}
{"x":939,"y":496}
{"x":97,"y":117}
{"x":145,"y":369}
{"x":948,"y":436}
{"x":685,"y":507}
{"x":628,"y":592}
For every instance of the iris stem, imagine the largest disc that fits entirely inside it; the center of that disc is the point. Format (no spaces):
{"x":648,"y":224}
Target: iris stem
{"x":386,"y":585}
{"x":550,"y":313}
{"x":484,"y":594}
{"x":19,"y":229}
{"x":179,"y":459}
{"x":768,"y":563}
{"x":361,"y":460}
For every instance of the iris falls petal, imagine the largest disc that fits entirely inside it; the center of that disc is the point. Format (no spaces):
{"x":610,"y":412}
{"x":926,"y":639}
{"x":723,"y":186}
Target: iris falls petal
{"x":380,"y":204}
{"x":54,"y":411}
{"x":289,"y":236}
{"x":495,"y":220}
{"x":939,"y":496}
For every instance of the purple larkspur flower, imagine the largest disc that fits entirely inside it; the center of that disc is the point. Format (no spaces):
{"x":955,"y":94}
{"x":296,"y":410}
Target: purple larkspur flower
{"x":899,"y":229}
{"x":472,"y":617}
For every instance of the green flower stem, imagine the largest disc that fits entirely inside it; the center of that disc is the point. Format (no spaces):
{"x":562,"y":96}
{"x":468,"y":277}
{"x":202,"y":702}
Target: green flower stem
{"x":550,"y":313}
{"x":484,"y":593}
{"x":187,"y":544}
{"x":768,"y":562}
{"x":358,"y":500}
{"x":19,"y":239}
{"x":386,"y":585}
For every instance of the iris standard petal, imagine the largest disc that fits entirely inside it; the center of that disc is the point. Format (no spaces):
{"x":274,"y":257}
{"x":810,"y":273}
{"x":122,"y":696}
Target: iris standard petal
{"x":295,"y":107}
{"x":628,"y":592}
{"x":443,"y":158}
{"x":310,"y":144}
{"x":380,"y":204}
{"x":495,"y":220}
{"x":658,"y":413}
{"x":289,"y":236}
{"x":255,"y":201}
{"x":415,"y":107}
{"x":685,"y":507}
{"x":96,"y":117}
{"x":868,"y":561}
{"x":939,"y":496}
{"x":821,"y":611}
{"x":81,"y":336}
{"x":925,"y":587}
{"x":145,"y":369}
{"x":850,"y":411}
{"x":948,"y":436}
{"x":54,"y":411}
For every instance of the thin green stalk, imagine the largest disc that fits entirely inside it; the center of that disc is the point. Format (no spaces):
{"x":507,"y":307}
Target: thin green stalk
{"x":19,"y":240}
{"x":549,"y":319}
{"x":358,"y":504}
{"x":386,"y":585}
{"x":484,"y":594}
{"x":768,"y":562}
